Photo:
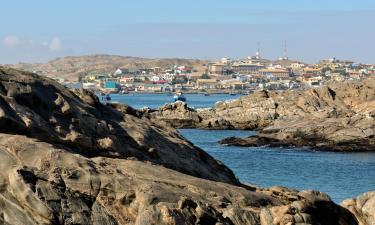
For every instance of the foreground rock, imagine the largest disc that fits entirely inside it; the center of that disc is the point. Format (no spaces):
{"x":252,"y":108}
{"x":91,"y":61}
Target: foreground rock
{"x":363,"y":207}
{"x":44,"y":184}
{"x":67,"y":159}
{"x":40,"y":108}
{"x":336,"y":117}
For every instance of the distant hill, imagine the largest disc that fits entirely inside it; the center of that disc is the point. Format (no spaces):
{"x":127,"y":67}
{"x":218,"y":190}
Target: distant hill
{"x":71,"y":67}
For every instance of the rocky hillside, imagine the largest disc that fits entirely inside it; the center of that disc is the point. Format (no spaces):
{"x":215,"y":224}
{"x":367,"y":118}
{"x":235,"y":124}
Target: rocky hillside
{"x":339,"y":117}
{"x":71,"y":67}
{"x":68,"y":159}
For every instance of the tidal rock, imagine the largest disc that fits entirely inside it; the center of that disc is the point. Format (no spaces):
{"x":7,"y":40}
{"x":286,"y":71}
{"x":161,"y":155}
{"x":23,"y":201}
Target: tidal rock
{"x":337,"y":117}
{"x":176,"y":114}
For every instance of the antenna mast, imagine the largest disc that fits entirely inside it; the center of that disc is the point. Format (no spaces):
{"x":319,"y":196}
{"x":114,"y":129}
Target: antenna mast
{"x":258,"y":51}
{"x":285,"y":51}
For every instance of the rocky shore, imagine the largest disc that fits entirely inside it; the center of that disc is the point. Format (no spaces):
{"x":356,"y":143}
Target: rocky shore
{"x":67,"y":159}
{"x":335,"y":117}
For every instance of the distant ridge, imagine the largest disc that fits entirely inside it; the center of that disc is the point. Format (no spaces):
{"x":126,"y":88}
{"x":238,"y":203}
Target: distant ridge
{"x":70,"y":67}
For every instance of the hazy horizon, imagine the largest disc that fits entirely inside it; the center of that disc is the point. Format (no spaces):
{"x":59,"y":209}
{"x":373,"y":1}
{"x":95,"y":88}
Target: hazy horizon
{"x":41,"y":30}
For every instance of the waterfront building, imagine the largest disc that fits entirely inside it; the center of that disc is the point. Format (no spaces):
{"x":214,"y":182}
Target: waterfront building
{"x":246,"y":68}
{"x":207,"y":84}
{"x":233,"y":84}
{"x":217,"y":68}
{"x":127,"y":79}
{"x":158,"y":87}
{"x":111,"y":86}
{"x":276,"y":73}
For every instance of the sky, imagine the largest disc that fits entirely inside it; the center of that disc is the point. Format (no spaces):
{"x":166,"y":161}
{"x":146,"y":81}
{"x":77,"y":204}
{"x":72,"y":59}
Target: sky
{"x":41,"y":30}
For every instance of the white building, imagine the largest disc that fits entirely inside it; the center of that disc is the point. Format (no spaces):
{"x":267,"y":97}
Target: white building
{"x":168,"y":77}
{"x":117,"y":72}
{"x":155,"y":78}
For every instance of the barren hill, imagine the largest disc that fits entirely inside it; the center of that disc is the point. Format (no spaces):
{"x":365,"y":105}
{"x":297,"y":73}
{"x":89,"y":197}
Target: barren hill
{"x":72,"y":66}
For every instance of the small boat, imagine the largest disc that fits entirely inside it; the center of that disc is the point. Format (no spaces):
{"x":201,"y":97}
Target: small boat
{"x":232,"y":92}
{"x":108,"y":97}
{"x":124,"y":91}
{"x":206,"y":94}
{"x":179,"y":97}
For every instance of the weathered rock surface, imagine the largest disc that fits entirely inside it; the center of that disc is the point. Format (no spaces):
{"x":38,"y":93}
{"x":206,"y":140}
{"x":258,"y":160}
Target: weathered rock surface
{"x":45,"y":184}
{"x":336,"y":117}
{"x":363,"y":207}
{"x":67,"y":159}
{"x":176,"y":114}
{"x":40,"y":108}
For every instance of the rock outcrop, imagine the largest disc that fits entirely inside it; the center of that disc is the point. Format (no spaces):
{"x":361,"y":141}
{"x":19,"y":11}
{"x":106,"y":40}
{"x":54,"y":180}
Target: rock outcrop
{"x":336,"y":117}
{"x":40,"y":108}
{"x":67,"y":159}
{"x":363,"y":207}
{"x":45,"y":184}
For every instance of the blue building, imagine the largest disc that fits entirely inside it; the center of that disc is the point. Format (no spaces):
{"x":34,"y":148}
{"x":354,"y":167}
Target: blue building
{"x":111,"y":86}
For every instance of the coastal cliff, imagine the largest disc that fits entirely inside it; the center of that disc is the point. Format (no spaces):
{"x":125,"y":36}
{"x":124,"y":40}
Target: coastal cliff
{"x":335,"y":117}
{"x":68,"y":159}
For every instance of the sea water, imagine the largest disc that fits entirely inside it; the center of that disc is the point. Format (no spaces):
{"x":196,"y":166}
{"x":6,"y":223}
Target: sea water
{"x":153,"y":101}
{"x":341,"y":175}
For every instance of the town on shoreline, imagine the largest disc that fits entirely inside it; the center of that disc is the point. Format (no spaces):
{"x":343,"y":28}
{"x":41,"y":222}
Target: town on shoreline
{"x":232,"y":76}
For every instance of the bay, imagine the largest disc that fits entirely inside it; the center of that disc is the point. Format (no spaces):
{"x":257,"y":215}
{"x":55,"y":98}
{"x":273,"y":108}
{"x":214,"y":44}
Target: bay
{"x":341,"y":175}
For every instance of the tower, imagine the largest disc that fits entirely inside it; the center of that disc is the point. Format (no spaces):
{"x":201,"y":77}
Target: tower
{"x":285,"y":57}
{"x":257,"y":54}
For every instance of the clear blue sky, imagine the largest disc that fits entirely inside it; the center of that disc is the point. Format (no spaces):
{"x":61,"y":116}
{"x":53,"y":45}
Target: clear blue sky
{"x":40,"y":30}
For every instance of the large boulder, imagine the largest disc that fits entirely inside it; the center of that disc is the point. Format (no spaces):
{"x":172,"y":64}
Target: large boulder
{"x":176,"y":114}
{"x":40,"y":108}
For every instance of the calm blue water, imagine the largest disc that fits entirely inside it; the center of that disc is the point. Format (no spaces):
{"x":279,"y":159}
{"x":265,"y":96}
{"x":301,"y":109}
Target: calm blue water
{"x":340,"y":175}
{"x":154,"y":101}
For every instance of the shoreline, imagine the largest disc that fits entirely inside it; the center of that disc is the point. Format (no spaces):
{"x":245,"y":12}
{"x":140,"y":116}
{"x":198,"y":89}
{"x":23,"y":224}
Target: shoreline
{"x":339,"y":117}
{"x":186,"y":92}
